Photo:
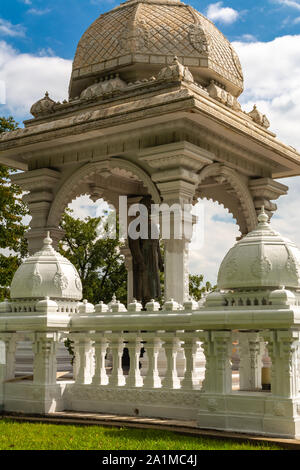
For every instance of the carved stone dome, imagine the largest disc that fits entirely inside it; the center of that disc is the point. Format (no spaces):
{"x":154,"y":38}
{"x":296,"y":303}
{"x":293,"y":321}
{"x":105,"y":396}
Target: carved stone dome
{"x":139,"y":37}
{"x":261,"y":259}
{"x":46,"y":274}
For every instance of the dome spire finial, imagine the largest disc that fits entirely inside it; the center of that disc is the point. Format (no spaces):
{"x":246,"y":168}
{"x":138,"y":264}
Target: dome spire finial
{"x":48,"y":241}
{"x":262,"y":217}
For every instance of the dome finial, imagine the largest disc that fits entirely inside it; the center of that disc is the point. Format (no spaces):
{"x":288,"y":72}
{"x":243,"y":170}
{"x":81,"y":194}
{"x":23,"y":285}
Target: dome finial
{"x":262,"y":216}
{"x":48,"y":241}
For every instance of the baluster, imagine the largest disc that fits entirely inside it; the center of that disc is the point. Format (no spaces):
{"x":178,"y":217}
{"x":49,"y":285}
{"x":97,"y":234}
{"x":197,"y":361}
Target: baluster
{"x":117,"y":346}
{"x":171,"y":346}
{"x":153,"y":345}
{"x":100,"y":376}
{"x":134,"y":378}
{"x":84,"y":359}
{"x":190,"y":350}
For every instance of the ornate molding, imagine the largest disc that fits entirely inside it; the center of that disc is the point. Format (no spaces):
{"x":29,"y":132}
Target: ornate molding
{"x":135,"y":396}
{"x":240,"y":188}
{"x":73,"y":186}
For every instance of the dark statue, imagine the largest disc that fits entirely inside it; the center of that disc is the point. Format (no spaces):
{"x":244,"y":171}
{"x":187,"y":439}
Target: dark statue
{"x":147,"y":262}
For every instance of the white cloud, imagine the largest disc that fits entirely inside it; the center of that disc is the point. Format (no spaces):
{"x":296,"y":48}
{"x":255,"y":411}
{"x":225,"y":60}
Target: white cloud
{"x":272,"y":71}
{"x":274,"y":84}
{"x":248,"y":38}
{"x":9,"y":29}
{"x":219,"y":235}
{"x":37,"y":12}
{"x":27,"y":77}
{"x":290,"y":3}
{"x":216,"y":12}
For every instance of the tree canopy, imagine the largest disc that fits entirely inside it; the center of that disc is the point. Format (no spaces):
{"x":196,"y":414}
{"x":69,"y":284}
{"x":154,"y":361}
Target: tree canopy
{"x":98,"y":260}
{"x":13,"y":245}
{"x":198,"y":287}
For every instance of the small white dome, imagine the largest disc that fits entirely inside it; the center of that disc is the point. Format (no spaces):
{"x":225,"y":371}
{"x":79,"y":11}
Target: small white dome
{"x":46,"y":305}
{"x":85,"y":307}
{"x":282,"y":297}
{"x":261,"y":259}
{"x":5,"y":306}
{"x":46,"y":274}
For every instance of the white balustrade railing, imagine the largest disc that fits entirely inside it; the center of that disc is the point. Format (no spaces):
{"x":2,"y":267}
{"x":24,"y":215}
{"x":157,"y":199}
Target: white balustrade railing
{"x":167,"y":335}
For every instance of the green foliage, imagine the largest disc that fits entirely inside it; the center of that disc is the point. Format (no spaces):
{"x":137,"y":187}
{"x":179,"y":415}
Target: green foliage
{"x":12,"y":229}
{"x":198,"y":287}
{"x":98,"y":260}
{"x":43,"y":436}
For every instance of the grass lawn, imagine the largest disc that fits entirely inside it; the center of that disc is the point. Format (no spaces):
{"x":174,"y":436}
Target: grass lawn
{"x":42,"y":436}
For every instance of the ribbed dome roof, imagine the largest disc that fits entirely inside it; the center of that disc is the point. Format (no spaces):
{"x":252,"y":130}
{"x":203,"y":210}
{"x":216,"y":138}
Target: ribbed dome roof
{"x":46,"y":274}
{"x":139,"y":37}
{"x":262,"y":259}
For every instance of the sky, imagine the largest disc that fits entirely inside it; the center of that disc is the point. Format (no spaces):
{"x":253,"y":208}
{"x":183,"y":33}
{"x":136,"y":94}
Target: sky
{"x":38,"y":40}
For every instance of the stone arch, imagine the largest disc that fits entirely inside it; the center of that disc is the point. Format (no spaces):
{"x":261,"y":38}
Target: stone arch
{"x":246,"y":217}
{"x":71,"y":188}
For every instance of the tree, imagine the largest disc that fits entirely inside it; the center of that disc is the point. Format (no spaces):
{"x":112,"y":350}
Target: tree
{"x":13,"y":244}
{"x":98,"y":260}
{"x":198,"y":287}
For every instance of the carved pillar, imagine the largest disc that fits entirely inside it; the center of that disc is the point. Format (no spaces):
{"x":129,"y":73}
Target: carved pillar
{"x":283,"y":347}
{"x":117,"y":347}
{"x":100,"y":349}
{"x":134,"y":378}
{"x":176,"y":222}
{"x":217,"y":349}
{"x":190,"y":350}
{"x":251,"y":351}
{"x":44,"y":364}
{"x":171,"y":346}
{"x":153,"y":345}
{"x":84,"y":366}
{"x":264,"y":190}
{"x":176,"y":178}
{"x":40,"y":184}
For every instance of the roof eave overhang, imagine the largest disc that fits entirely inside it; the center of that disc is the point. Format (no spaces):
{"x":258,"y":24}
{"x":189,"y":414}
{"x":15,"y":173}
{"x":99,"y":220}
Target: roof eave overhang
{"x":98,"y":120}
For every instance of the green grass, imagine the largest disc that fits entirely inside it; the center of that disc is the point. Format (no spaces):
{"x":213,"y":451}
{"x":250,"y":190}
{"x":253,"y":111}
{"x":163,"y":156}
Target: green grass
{"x":42,"y":436}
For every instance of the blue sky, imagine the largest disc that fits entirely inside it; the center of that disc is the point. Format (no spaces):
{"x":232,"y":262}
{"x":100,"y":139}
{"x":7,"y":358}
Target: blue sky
{"x":38,"y":39}
{"x":55,"y":27}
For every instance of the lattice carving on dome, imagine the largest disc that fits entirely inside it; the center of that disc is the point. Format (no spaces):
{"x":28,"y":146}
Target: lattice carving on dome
{"x":103,"y":39}
{"x":155,"y":29}
{"x":168,"y":29}
{"x":220,"y":51}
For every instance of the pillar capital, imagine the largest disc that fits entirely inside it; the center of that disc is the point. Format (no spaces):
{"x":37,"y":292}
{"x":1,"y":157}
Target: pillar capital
{"x":178,"y":154}
{"x":265,"y":190}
